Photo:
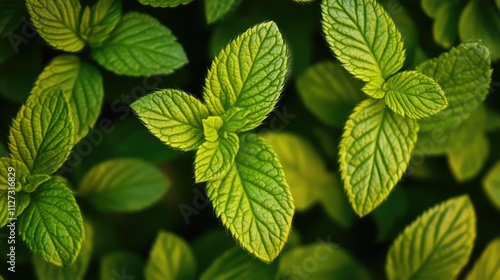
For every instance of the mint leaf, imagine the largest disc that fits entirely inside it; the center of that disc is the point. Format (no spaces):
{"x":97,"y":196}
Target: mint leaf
{"x":374,"y":88}
{"x":165,"y":3}
{"x":22,"y":201}
{"x":47,"y":271}
{"x":41,"y":135}
{"x":467,"y":162}
{"x":363,"y":37}
{"x":414,"y":95}
{"x":374,"y":152}
{"x":82,"y":86}
{"x":123,"y":185}
{"x":11,"y":13}
{"x":249,"y":73}
{"x":99,"y":21}
{"x":17,"y":174}
{"x":436,"y":245}
{"x":120,"y":263}
{"x":214,"y":159}
{"x":465,"y":87}
{"x":236,"y":264}
{"x":216,"y":9}
{"x":486,"y":267}
{"x":58,"y":23}
{"x":211,"y":127}
{"x":170,"y":258}
{"x":253,"y":199}
{"x":140,"y":46}
{"x":235,"y":119}
{"x":329,"y":92}
{"x":33,"y":181}
{"x":52,"y":225}
{"x":174,"y":117}
{"x":491,"y":185}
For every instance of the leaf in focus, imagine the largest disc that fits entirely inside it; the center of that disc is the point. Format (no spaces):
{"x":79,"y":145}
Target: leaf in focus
{"x":329,"y":92}
{"x":414,"y":95}
{"x":253,"y":199}
{"x":20,"y":171}
{"x":11,"y":13}
{"x":22,"y":201}
{"x":486,"y":267}
{"x":164,"y":3}
{"x":363,"y":37}
{"x":58,"y":23}
{"x":99,"y":21}
{"x":174,"y":117}
{"x":467,"y":162}
{"x":211,"y":127}
{"x":82,"y":86}
{"x":236,"y":264}
{"x":491,"y":185}
{"x":374,"y":153}
{"x":170,"y":258}
{"x":120,"y":263}
{"x":123,"y":185}
{"x":52,"y":225}
{"x":41,"y":135}
{"x":437,"y":244}
{"x":249,"y":73}
{"x":217,"y":9}
{"x":33,"y":181}
{"x":140,"y":46}
{"x":215,"y":158}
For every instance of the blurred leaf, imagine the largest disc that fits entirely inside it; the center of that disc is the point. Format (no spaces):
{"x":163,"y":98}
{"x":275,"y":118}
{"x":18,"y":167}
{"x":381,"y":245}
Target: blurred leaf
{"x":445,"y":28}
{"x":486,"y":267}
{"x":329,"y":92}
{"x":431,"y":7}
{"x":165,"y":3}
{"x":237,"y":264}
{"x":210,"y":245}
{"x":123,"y":185}
{"x":119,"y":265}
{"x":491,"y":185}
{"x":170,"y":259}
{"x":467,"y":162}
{"x":492,"y":120}
{"x":436,"y":245}
{"x":335,"y":202}
{"x":386,"y":215}
{"x":11,"y":13}
{"x":142,"y":144}
{"x":216,"y":9}
{"x":98,"y":22}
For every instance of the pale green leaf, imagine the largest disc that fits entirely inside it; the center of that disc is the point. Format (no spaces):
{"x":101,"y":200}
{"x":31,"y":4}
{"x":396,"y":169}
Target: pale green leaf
{"x":374,"y":88}
{"x":99,"y":21}
{"x":58,"y":23}
{"x":431,"y":7}
{"x":214,"y":159}
{"x":13,"y":169}
{"x":174,"y":117}
{"x":41,"y":135}
{"x":329,"y":92}
{"x":374,"y":152}
{"x":82,"y":86}
{"x":119,"y":264}
{"x":11,"y":13}
{"x":467,"y":162}
{"x":481,"y":20}
{"x":140,"y":46}
{"x":216,"y":9}
{"x":211,"y":127}
{"x":33,"y":181}
{"x":330,"y":263}
{"x":235,"y":119}
{"x":123,"y":185}
{"x":486,"y":267}
{"x":52,"y":225}
{"x":236,"y":264}
{"x":436,"y":245}
{"x":445,"y":28}
{"x":47,"y":271}
{"x":164,"y":3}
{"x":249,"y":73}
{"x":491,"y":185}
{"x":363,"y":37}
{"x":170,"y":259}
{"x":22,"y":200}
{"x":414,"y":95}
{"x":465,"y":87}
{"x":253,"y":199}
{"x":334,"y":201}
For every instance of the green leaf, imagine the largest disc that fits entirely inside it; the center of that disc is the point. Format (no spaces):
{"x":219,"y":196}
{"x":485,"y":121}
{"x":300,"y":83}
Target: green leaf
{"x":481,"y":20}
{"x":436,"y":245}
{"x":52,"y":225}
{"x":22,"y":200}
{"x":140,"y":46}
{"x":465,"y":87}
{"x":121,"y":264}
{"x":249,"y":73}
{"x":99,"y":21}
{"x":329,"y":92}
{"x":486,"y":267}
{"x":374,"y":88}
{"x":467,"y":162}
{"x":164,"y":3}
{"x":82,"y":86}
{"x":216,"y":9}
{"x":11,"y":13}
{"x":431,"y":7}
{"x":331,"y":263}
{"x":41,"y":135}
{"x":414,"y":95}
{"x":374,"y":152}
{"x":236,"y":120}
{"x":16,"y":174}
{"x":363,"y":37}
{"x":58,"y":23}
{"x":236,"y":264}
{"x":211,"y":127}
{"x":170,"y":258}
{"x":33,"y":181}
{"x":445,"y":28}
{"x":123,"y":185}
{"x":214,"y":159}
{"x":174,"y":117}
{"x":253,"y":199}
{"x":491,"y":185}
{"x":47,"y":271}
